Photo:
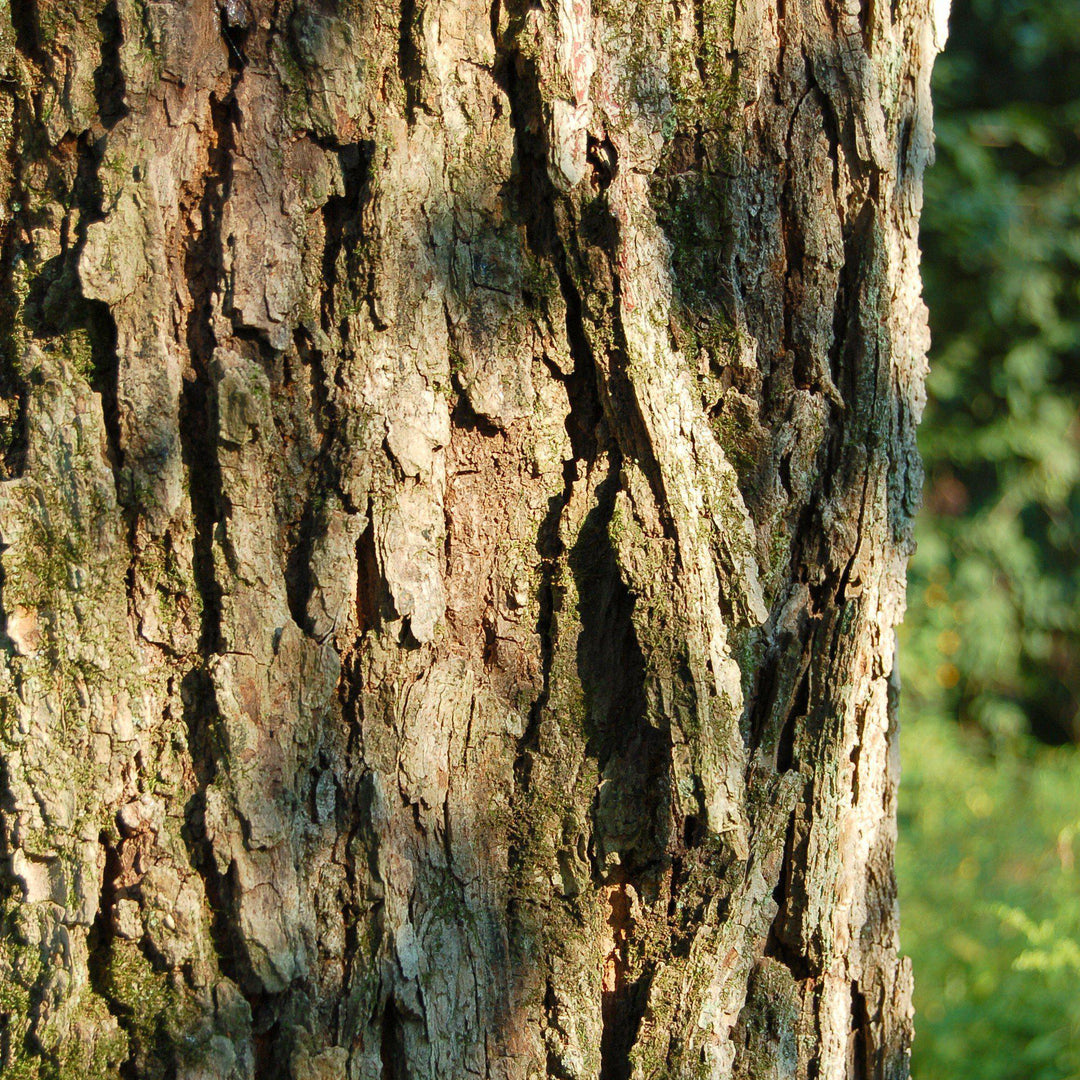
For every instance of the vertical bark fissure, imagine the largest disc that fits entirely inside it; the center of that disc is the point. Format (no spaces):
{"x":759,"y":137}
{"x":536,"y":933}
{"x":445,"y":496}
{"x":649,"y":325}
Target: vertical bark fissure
{"x":109,"y":77}
{"x":410,"y":63}
{"x":100,"y":943}
{"x":198,"y":436}
{"x":625,"y":995}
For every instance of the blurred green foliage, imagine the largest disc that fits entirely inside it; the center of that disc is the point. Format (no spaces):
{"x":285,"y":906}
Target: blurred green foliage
{"x":996,"y":580}
{"x":989,"y":817}
{"x":989,"y":867}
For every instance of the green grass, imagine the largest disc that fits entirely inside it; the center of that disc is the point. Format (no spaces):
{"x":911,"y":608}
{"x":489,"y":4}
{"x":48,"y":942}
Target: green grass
{"x":989,"y":870}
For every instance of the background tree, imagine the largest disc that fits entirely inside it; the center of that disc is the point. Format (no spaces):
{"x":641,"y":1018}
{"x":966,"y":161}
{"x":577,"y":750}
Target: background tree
{"x":460,"y":469}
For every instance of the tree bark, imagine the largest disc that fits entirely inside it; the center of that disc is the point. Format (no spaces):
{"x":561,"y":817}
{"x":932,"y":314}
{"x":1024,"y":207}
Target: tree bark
{"x":459,"y":474}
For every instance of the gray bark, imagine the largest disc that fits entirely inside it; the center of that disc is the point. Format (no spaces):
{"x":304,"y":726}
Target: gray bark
{"x":459,"y":465}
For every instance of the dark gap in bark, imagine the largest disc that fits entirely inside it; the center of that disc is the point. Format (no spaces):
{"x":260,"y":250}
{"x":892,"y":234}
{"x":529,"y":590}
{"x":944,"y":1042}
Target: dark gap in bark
{"x":491,"y":644}
{"x":853,"y":757}
{"x":253,"y":344}
{"x":694,"y":831}
{"x":839,"y":337}
{"x":535,"y":201}
{"x":269,"y":1064}
{"x":7,"y":645}
{"x":803,"y":372}
{"x":800,"y":708}
{"x":903,"y":152}
{"x":699,"y":52}
{"x":783,"y":471}
{"x":13,"y":433}
{"x":410,"y":64}
{"x":516,"y":75}
{"x":7,"y":1051}
{"x":860,"y":1034}
{"x":463,"y":416}
{"x":298,"y":583}
{"x":866,"y":23}
{"x":392,"y":1045}
{"x":199,"y":710}
{"x":769,"y":685}
{"x":779,"y":945}
{"x":343,"y":225}
{"x":198,"y":421}
{"x":199,"y":454}
{"x":677,"y":875}
{"x":24,"y":21}
{"x":101,"y":327}
{"x":109,"y":85}
{"x":584,"y":419}
{"x":99,"y":944}
{"x":634,"y":817}
{"x":833,"y":628}
{"x":202,"y":256}
{"x":346,"y":1020}
{"x":308,"y":468}
{"x":623,"y":998}
{"x":369,"y":582}
{"x":604,"y":159}
{"x":868,"y":414}
{"x":550,"y":549}
{"x":150,"y":1052}
{"x":300,"y":487}
{"x":235,"y":37}
{"x":325,"y":409}
{"x":200,"y":713}
{"x":306,"y":417}
{"x":846,"y":336}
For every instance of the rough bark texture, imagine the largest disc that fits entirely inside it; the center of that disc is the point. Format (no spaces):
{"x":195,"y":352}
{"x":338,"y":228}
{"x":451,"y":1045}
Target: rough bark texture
{"x":459,"y":469}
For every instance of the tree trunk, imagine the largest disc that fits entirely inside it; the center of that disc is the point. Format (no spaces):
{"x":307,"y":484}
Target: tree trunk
{"x":459,"y":471}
